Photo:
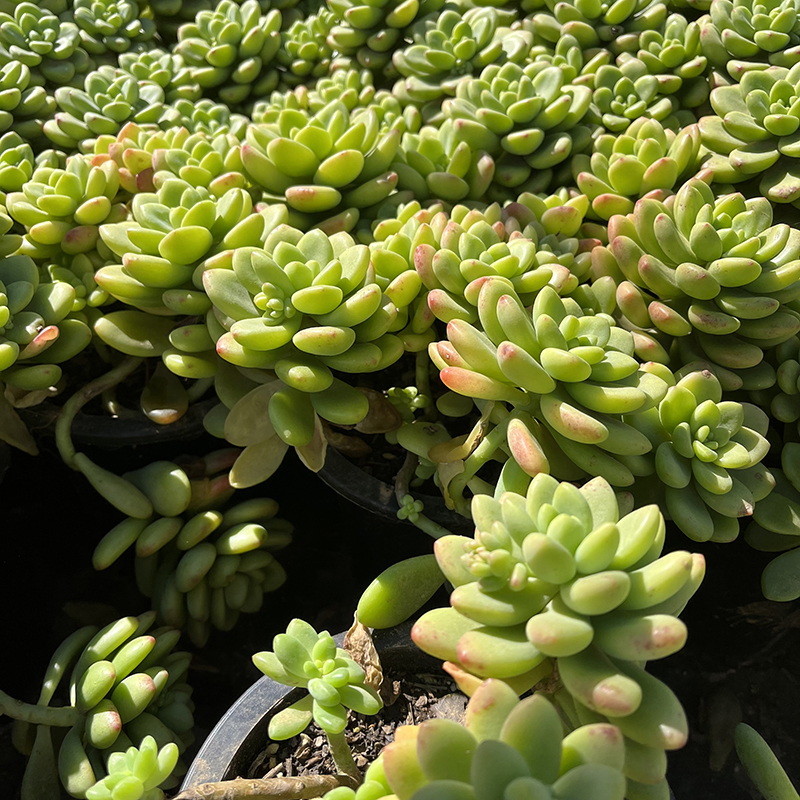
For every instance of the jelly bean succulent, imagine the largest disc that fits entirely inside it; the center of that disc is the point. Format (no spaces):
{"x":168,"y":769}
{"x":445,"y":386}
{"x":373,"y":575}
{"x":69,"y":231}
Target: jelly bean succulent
{"x":305,"y":52}
{"x":617,"y":25}
{"x":34,"y":36}
{"x":505,"y":745}
{"x":739,"y":36}
{"x":711,"y":466}
{"x":335,"y":683}
{"x":647,"y":158}
{"x":202,"y":568}
{"x":754,"y":132}
{"x":445,"y":48}
{"x":559,"y":573}
{"x":126,"y":689}
{"x":371,"y":32}
{"x":136,"y":773}
{"x":533,"y":117}
{"x":167,"y":69}
{"x":712,"y":271}
{"x":26,"y":105}
{"x":230,"y":51}
{"x":331,"y":166}
{"x":111,"y":26}
{"x":110,"y":97}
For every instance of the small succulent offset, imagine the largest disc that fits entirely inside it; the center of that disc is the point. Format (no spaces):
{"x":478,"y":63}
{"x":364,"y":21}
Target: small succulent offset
{"x":304,"y":658}
{"x":137,"y":773}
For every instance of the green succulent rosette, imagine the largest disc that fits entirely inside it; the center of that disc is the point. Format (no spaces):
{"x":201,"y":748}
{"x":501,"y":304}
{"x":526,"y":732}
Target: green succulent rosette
{"x":737,"y":37}
{"x":712,"y":272}
{"x":169,"y":234}
{"x":50,"y":48}
{"x":623,"y":94}
{"x":305,"y":52}
{"x":675,"y":56}
{"x":353,"y":87}
{"x":330,"y":167}
{"x":110,"y":98}
{"x":137,"y":772}
{"x":40,"y":329}
{"x":111,"y":26}
{"x":211,"y":163}
{"x":445,"y":756}
{"x":168,"y":70}
{"x":372,"y":32}
{"x":201,"y":568}
{"x":617,"y":26}
{"x":579,"y":64}
{"x":432,"y":163}
{"x":775,"y":529}
{"x":447,"y":47}
{"x":648,"y":159}
{"x":16,"y":162}
{"x":709,"y":459}
{"x":305,"y":306}
{"x":529,"y":119}
{"x":335,"y":682}
{"x":23,"y":105}
{"x":125,"y":684}
{"x":230,"y":50}
{"x":755,"y":132}
{"x":782,"y":401}
{"x":207,"y":117}
{"x":560,"y":573}
{"x":62,"y":209}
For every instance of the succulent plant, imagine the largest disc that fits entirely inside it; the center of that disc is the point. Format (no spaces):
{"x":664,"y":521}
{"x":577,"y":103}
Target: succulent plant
{"x":330,"y":166}
{"x":531,"y":116}
{"x":647,"y":158}
{"x":335,"y":682}
{"x":711,"y":465}
{"x":675,"y":56}
{"x":305,"y":52}
{"x":125,"y":685}
{"x":202,"y":568}
{"x":62,"y":209}
{"x":25,"y":106}
{"x":50,"y":48}
{"x":304,"y":305}
{"x":168,"y":70}
{"x":446,"y":48}
{"x":110,"y":98}
{"x":712,"y":272}
{"x":623,"y":94}
{"x":206,"y":116}
{"x":371,"y":32}
{"x":38,"y":326}
{"x":617,"y":26}
{"x":432,"y":163}
{"x":754,"y":132}
{"x":231,"y":50}
{"x":739,"y":36}
{"x":136,"y":773}
{"x":526,"y":737}
{"x":111,"y":25}
{"x":579,"y":64}
{"x":16,"y":162}
{"x":775,"y":528}
{"x":171,"y":231}
{"x":559,"y":573}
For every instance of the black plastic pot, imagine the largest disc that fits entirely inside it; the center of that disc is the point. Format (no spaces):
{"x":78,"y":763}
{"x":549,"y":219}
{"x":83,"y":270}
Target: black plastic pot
{"x":375,"y":495}
{"x":112,"y":433}
{"x":241,"y":734}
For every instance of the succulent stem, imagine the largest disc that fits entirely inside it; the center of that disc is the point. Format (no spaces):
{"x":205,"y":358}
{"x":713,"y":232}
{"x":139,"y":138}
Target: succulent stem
{"x":401,"y":481}
{"x":343,"y":756}
{"x":268,"y":788}
{"x":81,"y":398}
{"x":64,"y":717}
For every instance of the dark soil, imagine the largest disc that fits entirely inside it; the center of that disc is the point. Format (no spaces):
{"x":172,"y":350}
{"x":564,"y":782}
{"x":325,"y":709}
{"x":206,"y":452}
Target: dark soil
{"x":414,"y":699}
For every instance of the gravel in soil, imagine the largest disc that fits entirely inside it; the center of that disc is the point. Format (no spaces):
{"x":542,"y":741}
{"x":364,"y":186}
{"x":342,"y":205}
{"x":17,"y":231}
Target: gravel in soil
{"x":414,"y":698}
